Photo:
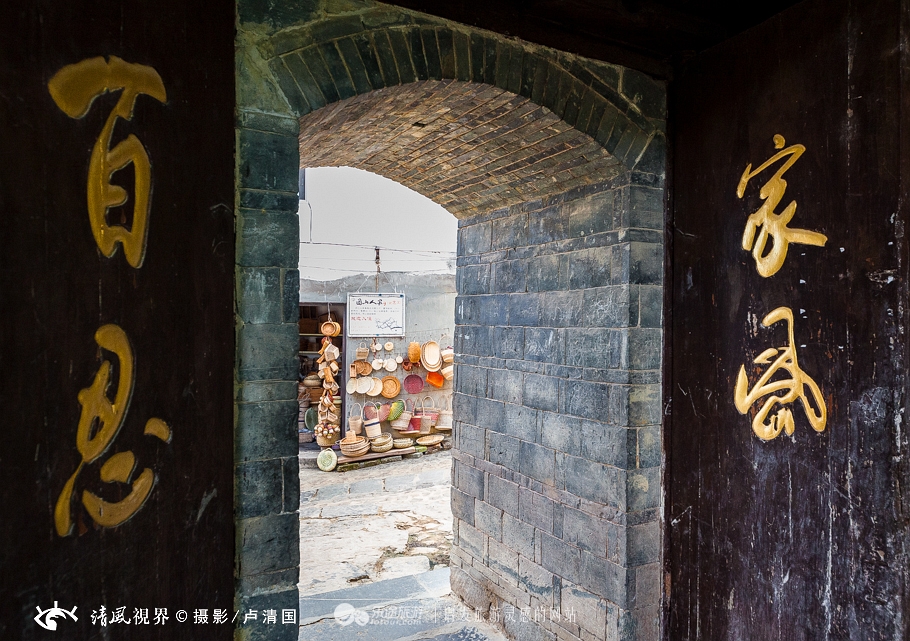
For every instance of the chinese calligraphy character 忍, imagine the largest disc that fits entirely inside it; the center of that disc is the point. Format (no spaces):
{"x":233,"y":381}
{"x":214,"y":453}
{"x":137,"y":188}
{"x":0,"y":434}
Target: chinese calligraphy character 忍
{"x":769,"y":223}
{"x":74,"y":88}
{"x":794,"y":388}
{"x":99,"y":424}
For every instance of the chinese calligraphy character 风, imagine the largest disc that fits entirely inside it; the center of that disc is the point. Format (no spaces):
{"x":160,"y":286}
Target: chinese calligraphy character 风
{"x":793,"y":388}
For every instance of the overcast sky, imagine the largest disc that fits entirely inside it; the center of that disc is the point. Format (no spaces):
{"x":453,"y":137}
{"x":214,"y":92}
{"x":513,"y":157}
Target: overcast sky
{"x":355,"y":207}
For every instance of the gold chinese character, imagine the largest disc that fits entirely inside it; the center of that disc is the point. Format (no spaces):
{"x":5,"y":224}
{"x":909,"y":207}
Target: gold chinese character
{"x":99,"y":424}
{"x":74,"y":88}
{"x":770,"y":223}
{"x":793,"y":388}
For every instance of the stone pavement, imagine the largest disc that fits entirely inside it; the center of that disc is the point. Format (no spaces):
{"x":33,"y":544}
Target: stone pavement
{"x":374,"y":552}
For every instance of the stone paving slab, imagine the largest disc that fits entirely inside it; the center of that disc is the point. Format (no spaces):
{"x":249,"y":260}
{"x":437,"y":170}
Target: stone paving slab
{"x":404,"y":609}
{"x":432,"y":584}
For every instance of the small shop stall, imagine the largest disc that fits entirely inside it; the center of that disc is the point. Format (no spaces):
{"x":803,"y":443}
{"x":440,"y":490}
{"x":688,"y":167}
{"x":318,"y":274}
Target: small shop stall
{"x":391,"y":383}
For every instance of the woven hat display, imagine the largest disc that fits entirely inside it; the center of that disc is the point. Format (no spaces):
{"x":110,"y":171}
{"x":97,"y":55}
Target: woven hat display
{"x":431,"y":356}
{"x":376,"y":386}
{"x":414,"y":352}
{"x":391,"y":386}
{"x":413,"y":384}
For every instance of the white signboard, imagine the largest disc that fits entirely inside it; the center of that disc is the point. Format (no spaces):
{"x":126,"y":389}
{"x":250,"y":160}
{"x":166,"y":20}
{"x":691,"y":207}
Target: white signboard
{"x":375,"y":315}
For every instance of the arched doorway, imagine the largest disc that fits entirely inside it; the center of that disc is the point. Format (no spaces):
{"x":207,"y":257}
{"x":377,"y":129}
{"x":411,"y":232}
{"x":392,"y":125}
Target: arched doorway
{"x":554,"y":164}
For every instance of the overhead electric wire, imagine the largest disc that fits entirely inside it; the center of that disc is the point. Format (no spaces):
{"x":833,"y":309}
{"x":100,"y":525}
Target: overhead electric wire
{"x":389,"y":249}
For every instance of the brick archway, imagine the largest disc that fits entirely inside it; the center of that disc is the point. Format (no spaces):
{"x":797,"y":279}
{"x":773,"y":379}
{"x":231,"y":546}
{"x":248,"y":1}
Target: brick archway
{"x":554,"y":164}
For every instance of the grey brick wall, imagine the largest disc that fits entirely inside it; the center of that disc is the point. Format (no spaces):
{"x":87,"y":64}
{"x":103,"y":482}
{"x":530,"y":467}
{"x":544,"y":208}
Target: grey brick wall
{"x":557,"y":457}
{"x":266,"y":469}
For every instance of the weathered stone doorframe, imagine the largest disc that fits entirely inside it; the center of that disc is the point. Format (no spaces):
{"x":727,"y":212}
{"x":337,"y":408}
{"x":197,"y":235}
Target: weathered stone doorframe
{"x":287,"y":71}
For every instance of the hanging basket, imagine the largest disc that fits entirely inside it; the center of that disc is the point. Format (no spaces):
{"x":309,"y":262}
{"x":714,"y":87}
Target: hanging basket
{"x":363,"y":352}
{"x":445,"y":420}
{"x":428,"y":415}
{"x":401,"y":421}
{"x":355,"y":421}
{"x":372,"y":425}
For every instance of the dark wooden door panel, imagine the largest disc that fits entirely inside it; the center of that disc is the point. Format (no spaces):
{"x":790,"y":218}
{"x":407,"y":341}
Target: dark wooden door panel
{"x":797,"y":536}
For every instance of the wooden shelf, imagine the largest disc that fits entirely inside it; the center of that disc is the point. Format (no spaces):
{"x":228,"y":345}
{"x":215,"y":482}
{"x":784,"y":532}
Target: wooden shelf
{"x":372,"y":456}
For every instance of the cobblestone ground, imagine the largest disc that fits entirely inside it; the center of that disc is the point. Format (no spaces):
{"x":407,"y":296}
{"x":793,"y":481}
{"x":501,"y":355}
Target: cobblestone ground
{"x":374,"y":554}
{"x":374,"y":523}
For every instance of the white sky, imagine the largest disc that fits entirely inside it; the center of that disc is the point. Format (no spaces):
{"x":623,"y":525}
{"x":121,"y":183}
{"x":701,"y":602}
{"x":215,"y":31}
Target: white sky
{"x":355,"y":207}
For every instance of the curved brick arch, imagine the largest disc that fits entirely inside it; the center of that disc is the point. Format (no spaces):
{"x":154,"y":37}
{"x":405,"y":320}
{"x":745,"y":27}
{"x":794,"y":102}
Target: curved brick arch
{"x":341,"y":57}
{"x":559,"y":281}
{"x":467,"y":146}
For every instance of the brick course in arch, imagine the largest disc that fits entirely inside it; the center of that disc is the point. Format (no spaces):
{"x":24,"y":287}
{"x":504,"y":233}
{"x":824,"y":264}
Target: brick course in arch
{"x":559,"y":280}
{"x":430,"y":136}
{"x":339,"y":57}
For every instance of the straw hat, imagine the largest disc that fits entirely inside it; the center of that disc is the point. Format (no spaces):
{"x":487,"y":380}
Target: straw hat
{"x":391,"y":386}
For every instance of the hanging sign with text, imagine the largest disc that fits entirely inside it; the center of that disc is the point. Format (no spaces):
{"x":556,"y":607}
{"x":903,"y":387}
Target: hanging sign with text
{"x":375,"y":315}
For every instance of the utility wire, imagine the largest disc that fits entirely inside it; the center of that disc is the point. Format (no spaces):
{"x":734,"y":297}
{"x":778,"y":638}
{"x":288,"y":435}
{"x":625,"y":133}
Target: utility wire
{"x":389,"y":249}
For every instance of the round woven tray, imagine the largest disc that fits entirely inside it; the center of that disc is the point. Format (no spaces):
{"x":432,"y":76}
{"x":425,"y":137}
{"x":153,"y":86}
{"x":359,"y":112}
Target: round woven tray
{"x":391,"y":386}
{"x":433,"y":439}
{"x":401,"y":443}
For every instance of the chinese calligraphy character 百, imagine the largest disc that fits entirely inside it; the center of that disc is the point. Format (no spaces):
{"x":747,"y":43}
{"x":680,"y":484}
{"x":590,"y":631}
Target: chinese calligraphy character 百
{"x":99,"y":423}
{"x":74,"y":88}
{"x":766,"y":221}
{"x":793,"y":388}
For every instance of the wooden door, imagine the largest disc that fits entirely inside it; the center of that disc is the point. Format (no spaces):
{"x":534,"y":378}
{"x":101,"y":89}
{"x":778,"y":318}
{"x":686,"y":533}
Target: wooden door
{"x":786,"y":433}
